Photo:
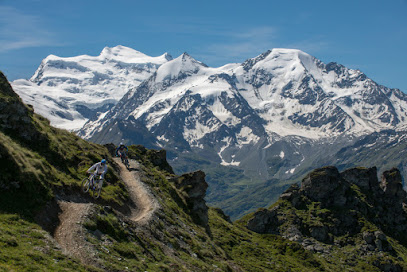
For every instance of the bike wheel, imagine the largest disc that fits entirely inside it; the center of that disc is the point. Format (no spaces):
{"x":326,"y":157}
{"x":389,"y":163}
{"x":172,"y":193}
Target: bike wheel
{"x":97,"y":190}
{"x":85,"y":185}
{"x":127,"y":163}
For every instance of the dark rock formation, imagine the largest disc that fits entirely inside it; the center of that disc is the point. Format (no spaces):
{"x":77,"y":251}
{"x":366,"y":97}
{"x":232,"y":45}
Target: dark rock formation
{"x":15,"y":116}
{"x":329,"y":205}
{"x":391,"y":184}
{"x":365,"y":178}
{"x":194,"y":186}
{"x":263,"y":221}
{"x":159,"y":158}
{"x":326,"y":186}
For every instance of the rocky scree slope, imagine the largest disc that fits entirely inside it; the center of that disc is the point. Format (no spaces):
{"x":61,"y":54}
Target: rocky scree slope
{"x":349,"y":218}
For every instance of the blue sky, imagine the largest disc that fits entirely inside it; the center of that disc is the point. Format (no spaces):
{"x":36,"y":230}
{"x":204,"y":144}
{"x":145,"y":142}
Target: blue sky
{"x":366,"y":35}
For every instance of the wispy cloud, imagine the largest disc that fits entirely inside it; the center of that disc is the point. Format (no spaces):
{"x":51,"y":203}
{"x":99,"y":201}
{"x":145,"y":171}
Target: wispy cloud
{"x":19,"y":30}
{"x":311,"y":46}
{"x":239,"y":45}
{"x":248,"y":43}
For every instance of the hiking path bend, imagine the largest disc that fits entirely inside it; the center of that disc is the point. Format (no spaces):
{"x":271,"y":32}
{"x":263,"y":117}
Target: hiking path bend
{"x":142,"y":198}
{"x":70,"y":233}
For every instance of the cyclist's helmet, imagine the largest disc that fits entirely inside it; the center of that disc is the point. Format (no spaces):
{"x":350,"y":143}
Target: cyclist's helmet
{"x":121,"y":143}
{"x":103,"y":161}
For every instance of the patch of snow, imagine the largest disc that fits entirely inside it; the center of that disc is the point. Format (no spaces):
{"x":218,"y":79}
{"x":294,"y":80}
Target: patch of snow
{"x":282,"y":155}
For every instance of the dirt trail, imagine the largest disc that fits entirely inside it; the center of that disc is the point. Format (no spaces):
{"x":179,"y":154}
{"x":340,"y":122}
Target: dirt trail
{"x":70,"y":234}
{"x":144,"y":201}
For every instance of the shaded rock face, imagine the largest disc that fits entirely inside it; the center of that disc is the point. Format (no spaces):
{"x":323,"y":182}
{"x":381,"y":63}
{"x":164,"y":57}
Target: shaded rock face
{"x":365,"y":178}
{"x":336,"y":204}
{"x":15,"y":117}
{"x":391,"y":183}
{"x":263,"y":221}
{"x":325,"y":185}
{"x":159,"y":158}
{"x":194,"y":187}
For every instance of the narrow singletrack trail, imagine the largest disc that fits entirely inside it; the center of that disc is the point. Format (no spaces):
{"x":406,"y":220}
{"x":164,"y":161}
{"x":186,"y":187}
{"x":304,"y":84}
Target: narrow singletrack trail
{"x":70,"y":233}
{"x":145,"y":203}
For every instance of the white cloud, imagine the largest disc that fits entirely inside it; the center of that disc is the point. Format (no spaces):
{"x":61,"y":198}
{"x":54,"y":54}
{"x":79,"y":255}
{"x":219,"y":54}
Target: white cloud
{"x":19,"y":30}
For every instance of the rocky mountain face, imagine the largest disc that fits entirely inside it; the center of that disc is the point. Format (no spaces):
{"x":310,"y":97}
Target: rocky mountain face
{"x":70,"y":91}
{"x":333,"y":210}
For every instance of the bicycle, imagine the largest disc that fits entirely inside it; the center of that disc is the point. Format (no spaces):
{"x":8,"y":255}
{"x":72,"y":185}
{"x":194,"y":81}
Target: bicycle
{"x":125,"y":160}
{"x":89,"y":183}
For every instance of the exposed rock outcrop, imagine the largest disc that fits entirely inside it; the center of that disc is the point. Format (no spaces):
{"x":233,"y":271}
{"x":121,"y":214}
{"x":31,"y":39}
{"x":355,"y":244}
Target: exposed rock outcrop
{"x":15,"y":116}
{"x":391,"y":184}
{"x":340,"y":209}
{"x":194,"y":186}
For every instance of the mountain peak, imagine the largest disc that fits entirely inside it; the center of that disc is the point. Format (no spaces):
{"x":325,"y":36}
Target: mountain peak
{"x":129,"y":55}
{"x":184,"y":64}
{"x":279,"y":57}
{"x":167,"y":56}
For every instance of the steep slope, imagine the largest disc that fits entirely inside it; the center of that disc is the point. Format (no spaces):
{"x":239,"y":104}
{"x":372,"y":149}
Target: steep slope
{"x":180,"y":233}
{"x":70,"y":91}
{"x":39,"y":164}
{"x":40,"y":186}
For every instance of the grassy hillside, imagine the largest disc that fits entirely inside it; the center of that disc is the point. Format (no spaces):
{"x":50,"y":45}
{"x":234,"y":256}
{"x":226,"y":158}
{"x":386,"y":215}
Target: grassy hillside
{"x":38,"y":163}
{"x":42,"y":165}
{"x":172,"y":241}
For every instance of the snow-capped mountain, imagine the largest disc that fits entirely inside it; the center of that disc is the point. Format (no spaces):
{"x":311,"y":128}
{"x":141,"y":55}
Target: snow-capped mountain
{"x":70,"y":91}
{"x":258,"y":125}
{"x":274,"y":116}
{"x":279,"y":93}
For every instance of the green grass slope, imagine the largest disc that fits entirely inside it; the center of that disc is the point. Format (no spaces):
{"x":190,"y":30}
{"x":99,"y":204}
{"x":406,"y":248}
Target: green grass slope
{"x":41,"y":164}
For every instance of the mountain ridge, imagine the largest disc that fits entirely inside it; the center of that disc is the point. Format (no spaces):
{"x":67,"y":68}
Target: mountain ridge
{"x":273,"y":117}
{"x":71,"y":90}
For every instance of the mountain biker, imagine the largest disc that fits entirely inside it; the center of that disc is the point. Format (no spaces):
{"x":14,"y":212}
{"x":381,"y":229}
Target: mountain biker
{"x":101,"y":169}
{"x":121,"y":151}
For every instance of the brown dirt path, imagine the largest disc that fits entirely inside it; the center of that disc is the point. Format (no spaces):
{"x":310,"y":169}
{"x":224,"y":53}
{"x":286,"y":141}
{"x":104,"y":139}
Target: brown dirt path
{"x":142,"y":198}
{"x":70,"y":234}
